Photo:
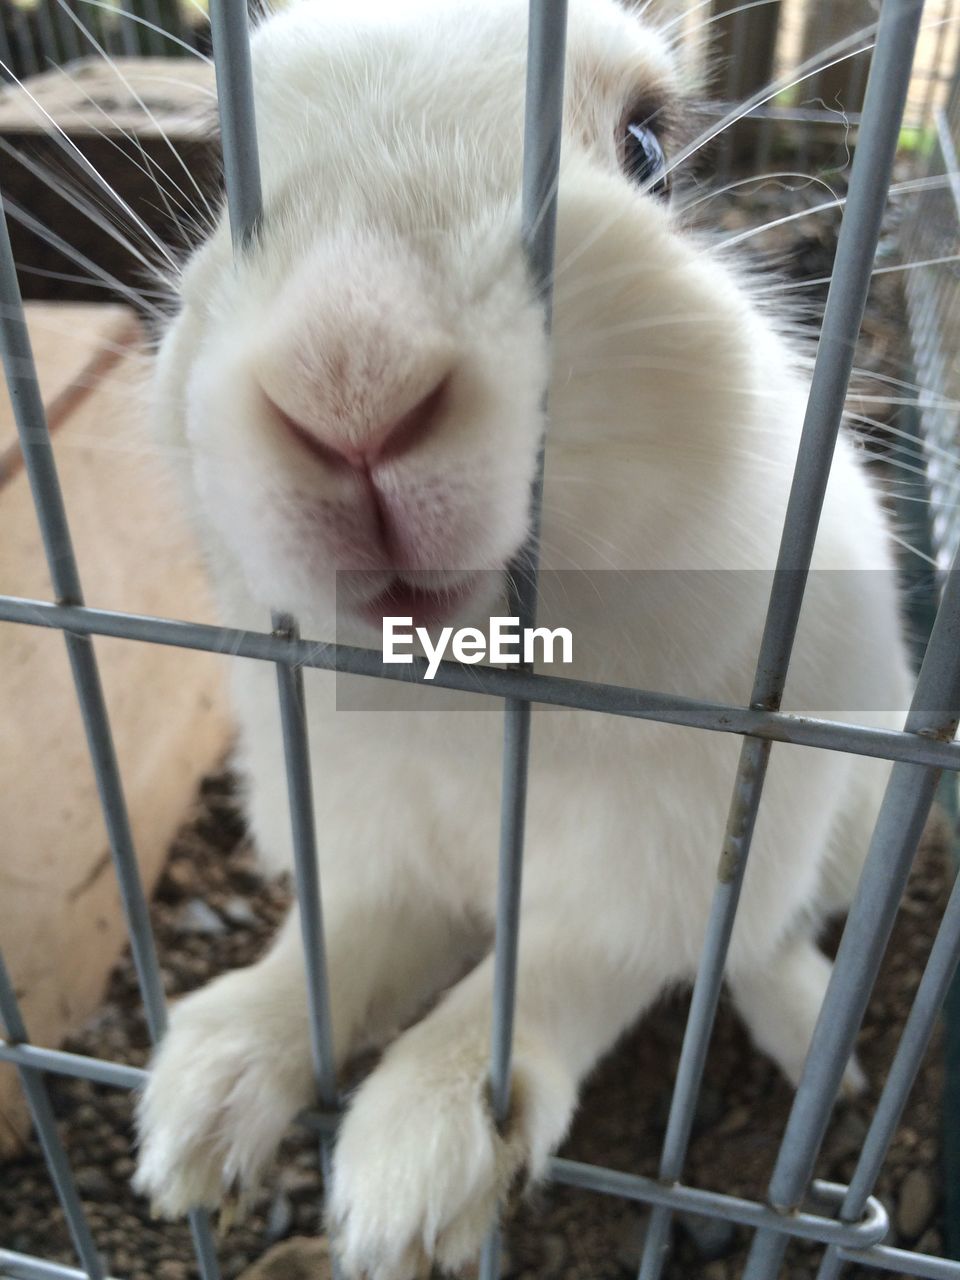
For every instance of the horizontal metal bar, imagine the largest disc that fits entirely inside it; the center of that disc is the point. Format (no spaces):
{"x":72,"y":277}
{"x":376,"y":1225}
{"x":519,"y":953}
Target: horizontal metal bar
{"x":56,"y":1062}
{"x":570,"y":1173}
{"x":642,"y":704}
{"x":922,"y":1265}
{"x":712,"y":1204}
{"x":119,"y":1075}
{"x":20,"y":1266}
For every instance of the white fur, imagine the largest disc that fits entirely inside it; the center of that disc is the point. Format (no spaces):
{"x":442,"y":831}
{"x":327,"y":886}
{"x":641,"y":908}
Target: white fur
{"x":389,"y":259}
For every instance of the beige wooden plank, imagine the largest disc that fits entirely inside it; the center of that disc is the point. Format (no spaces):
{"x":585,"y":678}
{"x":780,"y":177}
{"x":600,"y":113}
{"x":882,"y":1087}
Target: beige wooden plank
{"x":149,"y":96}
{"x":74,"y":346}
{"x":60,"y":919}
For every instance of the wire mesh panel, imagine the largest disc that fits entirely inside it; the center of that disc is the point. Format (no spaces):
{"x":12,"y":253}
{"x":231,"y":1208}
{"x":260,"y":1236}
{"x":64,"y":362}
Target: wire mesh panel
{"x":847,"y":1220}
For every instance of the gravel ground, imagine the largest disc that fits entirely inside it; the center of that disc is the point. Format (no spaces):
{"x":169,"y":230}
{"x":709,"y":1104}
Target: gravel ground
{"x":213,"y":912}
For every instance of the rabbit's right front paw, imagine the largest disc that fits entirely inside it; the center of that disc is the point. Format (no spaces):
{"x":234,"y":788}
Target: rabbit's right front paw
{"x":227,"y":1079}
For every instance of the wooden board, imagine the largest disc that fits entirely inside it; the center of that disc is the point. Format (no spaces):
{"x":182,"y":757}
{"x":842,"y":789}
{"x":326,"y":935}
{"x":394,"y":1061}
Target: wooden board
{"x":74,"y":348}
{"x":149,"y":97}
{"x":61,"y":924}
{"x":148,"y":128}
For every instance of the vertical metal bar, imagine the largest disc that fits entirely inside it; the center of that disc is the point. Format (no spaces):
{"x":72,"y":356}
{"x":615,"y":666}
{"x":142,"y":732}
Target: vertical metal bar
{"x":41,"y":471}
{"x":303,"y":827}
{"x":734,"y":80}
{"x":153,"y":39}
{"x":29,"y":66}
{"x":936,"y":76}
{"x":860,"y":230}
{"x":48,"y":39}
{"x":706,"y":994}
{"x":927,"y":1003}
{"x":238,"y":123}
{"x":870,"y":177}
{"x":6,"y":53}
{"x":182,"y":29}
{"x":543,"y":125}
{"x":231,"y":48}
{"x":129,"y":35}
{"x":299,"y":790}
{"x":934,"y":711}
{"x":40,"y":1109}
{"x":69,"y":36}
{"x":544,"y":118}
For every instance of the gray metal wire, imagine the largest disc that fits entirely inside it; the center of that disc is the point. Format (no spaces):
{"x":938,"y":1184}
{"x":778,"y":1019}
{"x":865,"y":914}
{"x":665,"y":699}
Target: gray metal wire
{"x":35,"y":444}
{"x":34,"y":1087}
{"x":869,"y":181}
{"x":231,"y":48}
{"x":584,"y":695}
{"x":853,"y":1223}
{"x":928,"y":1001}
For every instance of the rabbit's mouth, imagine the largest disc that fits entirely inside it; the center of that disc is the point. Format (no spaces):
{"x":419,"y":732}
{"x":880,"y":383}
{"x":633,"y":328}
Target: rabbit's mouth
{"x":425,"y":606}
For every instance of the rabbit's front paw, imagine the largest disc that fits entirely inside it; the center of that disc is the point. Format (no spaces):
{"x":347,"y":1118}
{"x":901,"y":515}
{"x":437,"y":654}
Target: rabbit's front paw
{"x":231,"y":1073}
{"x":420,"y":1166}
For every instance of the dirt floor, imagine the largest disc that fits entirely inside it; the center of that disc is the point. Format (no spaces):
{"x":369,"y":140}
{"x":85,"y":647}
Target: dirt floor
{"x":213,"y":912}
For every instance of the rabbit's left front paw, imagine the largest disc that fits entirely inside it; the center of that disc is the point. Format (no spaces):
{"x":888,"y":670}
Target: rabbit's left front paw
{"x":227,"y":1079}
{"x":420,"y":1166}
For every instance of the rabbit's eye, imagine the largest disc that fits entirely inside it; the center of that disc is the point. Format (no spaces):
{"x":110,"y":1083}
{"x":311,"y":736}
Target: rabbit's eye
{"x":643,"y":159}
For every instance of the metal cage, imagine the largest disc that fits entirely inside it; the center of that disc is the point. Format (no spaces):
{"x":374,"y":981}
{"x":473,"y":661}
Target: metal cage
{"x":847,"y":1220}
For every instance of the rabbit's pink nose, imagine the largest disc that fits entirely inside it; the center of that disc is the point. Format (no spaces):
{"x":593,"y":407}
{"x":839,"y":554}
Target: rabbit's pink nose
{"x":379,"y":445}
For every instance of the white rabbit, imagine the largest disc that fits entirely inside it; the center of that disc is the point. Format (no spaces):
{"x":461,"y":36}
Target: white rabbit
{"x":362,"y":392}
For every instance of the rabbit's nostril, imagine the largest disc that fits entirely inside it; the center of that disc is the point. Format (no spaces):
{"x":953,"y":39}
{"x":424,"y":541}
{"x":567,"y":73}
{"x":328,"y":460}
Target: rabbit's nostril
{"x":383,"y":443}
{"x":408,"y":430}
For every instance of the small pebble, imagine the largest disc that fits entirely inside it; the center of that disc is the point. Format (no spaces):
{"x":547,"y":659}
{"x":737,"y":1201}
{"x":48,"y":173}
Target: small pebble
{"x":170,"y":1270}
{"x":716,"y":1271}
{"x":713,"y":1238}
{"x":279,"y":1219}
{"x":916,"y":1203}
{"x":93,"y":1184}
{"x":240,"y":913}
{"x":181,"y":875}
{"x":931,"y":1242}
{"x":735,"y":1121}
{"x":298,"y":1259}
{"x":554,"y":1251}
{"x":197,"y":917}
{"x":710,"y":1110}
{"x":629,"y":1238}
{"x":297,"y":1181}
{"x":848,"y":1135}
